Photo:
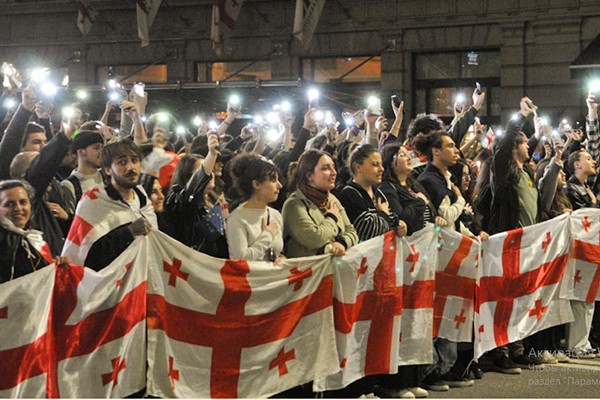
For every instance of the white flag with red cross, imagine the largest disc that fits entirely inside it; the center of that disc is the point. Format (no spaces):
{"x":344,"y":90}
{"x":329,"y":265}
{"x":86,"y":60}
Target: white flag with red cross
{"x":82,"y":335}
{"x":86,"y":16}
{"x":224,"y":16}
{"x":419,"y":263}
{"x":518,"y":289}
{"x":232,"y":328}
{"x":306,"y":19}
{"x":458,"y":257}
{"x":367,"y":309}
{"x":582,"y":277}
{"x":146,"y":13}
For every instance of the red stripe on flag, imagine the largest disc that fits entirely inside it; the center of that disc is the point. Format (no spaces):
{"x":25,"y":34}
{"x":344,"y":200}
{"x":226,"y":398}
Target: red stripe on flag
{"x":418,"y":295}
{"x":591,"y":253}
{"x":79,"y":229}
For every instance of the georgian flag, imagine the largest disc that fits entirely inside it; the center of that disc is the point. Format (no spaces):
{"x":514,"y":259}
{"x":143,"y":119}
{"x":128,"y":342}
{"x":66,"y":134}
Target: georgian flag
{"x":518,"y":290}
{"x":146,"y":13}
{"x":306,"y":18}
{"x":232,"y":328}
{"x":455,"y":286}
{"x":73,"y":332}
{"x":367,"y":308}
{"x":224,"y":15}
{"x":419,"y":264}
{"x":86,"y":16}
{"x":582,"y":277}
{"x":96,"y":215}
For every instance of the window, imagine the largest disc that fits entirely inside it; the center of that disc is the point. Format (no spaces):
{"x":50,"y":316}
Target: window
{"x":217,"y":71}
{"x":438,"y":79}
{"x":349,"y":69}
{"x":134,"y":73}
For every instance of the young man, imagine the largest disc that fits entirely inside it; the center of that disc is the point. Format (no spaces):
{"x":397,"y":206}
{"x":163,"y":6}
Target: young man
{"x":88,"y":146}
{"x":109,"y":218}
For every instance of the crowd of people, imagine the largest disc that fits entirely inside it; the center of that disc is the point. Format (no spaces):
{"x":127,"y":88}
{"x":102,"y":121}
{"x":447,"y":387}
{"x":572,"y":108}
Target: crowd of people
{"x":244,"y":195}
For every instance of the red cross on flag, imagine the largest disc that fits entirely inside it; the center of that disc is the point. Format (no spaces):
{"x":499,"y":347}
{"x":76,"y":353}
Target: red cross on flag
{"x":86,"y":16}
{"x":582,"y":277}
{"x":224,"y":16}
{"x":518,"y":291}
{"x":455,"y":287}
{"x":367,"y":309}
{"x":62,"y":341}
{"x":416,"y":346}
{"x":227,"y":328}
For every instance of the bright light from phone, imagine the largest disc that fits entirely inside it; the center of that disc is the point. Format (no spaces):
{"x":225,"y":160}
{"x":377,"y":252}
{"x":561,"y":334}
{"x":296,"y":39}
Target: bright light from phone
{"x":272,"y":134}
{"x":144,"y":118}
{"x":7,"y":69}
{"x":478,"y":164}
{"x":272,"y":118}
{"x":349,"y":121}
{"x":329,"y":118}
{"x":197,"y":121}
{"x":286,"y":106}
{"x":544,"y":121}
{"x":9,"y":103}
{"x":372,"y":101}
{"x":460,"y":98}
{"x":319,"y":115}
{"x":555,"y":133}
{"x":499,"y":132}
{"x":39,"y":74}
{"x":564,"y":121}
{"x":162,"y":117}
{"x":49,"y":89}
{"x":114,"y":96}
{"x":180,"y":130}
{"x":515,"y":116}
{"x":82,"y":94}
{"x":112,"y":83}
{"x":234,"y":100}
{"x":117,"y":130}
{"x":68,"y":112}
{"x":258,"y":119}
{"x":212,"y":125}
{"x":594,"y":86}
{"x":313,"y":94}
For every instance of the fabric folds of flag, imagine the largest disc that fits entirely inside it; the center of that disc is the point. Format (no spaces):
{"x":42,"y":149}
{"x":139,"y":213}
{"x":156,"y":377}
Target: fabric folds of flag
{"x":146,"y":13}
{"x":518,"y":290}
{"x":231,"y":328}
{"x":224,"y":15}
{"x":582,"y":277}
{"x":86,"y":16}
{"x":306,"y":18}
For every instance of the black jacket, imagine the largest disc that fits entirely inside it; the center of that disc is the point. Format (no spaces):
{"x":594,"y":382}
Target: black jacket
{"x":578,"y":195}
{"x":15,"y":260}
{"x":410,"y":209}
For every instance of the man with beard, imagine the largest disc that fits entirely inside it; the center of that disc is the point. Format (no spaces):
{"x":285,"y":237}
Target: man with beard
{"x":109,"y":218}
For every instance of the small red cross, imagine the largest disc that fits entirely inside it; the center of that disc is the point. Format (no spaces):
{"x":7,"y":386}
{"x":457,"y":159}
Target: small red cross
{"x":173,"y":373}
{"x":4,"y":312}
{"x":174,"y":271}
{"x":92,"y":193}
{"x":460,"y":319}
{"x":586,"y":223}
{"x":546,"y":242}
{"x":281,"y":359}
{"x":118,"y":366}
{"x":538,"y":310}
{"x":577,"y":277}
{"x":440,"y":243}
{"x":480,"y":330}
{"x":344,"y":362}
{"x":413,"y":257}
{"x":127,"y":267}
{"x":363,"y":268}
{"x":298,"y":277}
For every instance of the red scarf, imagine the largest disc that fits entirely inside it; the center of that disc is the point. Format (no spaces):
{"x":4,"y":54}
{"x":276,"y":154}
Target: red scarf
{"x":317,"y":196}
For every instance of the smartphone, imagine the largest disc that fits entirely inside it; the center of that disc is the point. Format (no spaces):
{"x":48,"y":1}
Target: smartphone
{"x":374,"y":106}
{"x":477,"y":88}
{"x":138,"y":88}
{"x":396,"y":100}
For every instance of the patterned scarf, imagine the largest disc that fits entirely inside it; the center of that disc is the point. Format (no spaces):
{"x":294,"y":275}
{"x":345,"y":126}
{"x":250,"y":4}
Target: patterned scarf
{"x":317,"y":196}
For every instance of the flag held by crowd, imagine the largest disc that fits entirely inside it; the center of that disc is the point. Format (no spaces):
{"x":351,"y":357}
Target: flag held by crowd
{"x":224,"y":16}
{"x":518,"y":290}
{"x":146,"y":13}
{"x":306,"y":18}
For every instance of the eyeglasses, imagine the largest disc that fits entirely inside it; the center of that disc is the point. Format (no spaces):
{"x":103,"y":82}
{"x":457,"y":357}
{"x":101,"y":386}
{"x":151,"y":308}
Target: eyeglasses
{"x":402,"y":154}
{"x":467,"y":175}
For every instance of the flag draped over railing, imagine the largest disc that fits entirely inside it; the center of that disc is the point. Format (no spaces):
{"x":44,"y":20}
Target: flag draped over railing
{"x":230,"y":328}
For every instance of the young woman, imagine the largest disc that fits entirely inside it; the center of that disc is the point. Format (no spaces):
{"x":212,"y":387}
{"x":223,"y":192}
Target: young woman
{"x":367,"y":207}
{"x":314,"y":220}
{"x":22,"y":248}
{"x":255,"y":230}
{"x":192,"y":219}
{"x":406,"y":196}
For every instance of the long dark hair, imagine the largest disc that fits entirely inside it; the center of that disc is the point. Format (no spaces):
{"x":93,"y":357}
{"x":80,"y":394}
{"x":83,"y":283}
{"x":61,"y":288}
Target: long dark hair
{"x":306,"y":165}
{"x":184,"y":171}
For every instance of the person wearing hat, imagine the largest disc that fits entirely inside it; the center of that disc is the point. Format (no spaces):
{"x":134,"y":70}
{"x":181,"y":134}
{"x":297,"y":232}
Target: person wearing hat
{"x":88,"y":145}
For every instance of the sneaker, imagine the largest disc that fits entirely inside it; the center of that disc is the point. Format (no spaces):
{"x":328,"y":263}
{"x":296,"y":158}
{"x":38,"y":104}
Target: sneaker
{"x":474,"y":371}
{"x":561,"y":356}
{"x":434,"y":383}
{"x":368,"y":396}
{"x":527,"y":361}
{"x":455,"y":381}
{"x":505,"y":365}
{"x":395,"y":393}
{"x":419,"y":392}
{"x":548,"y":358}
